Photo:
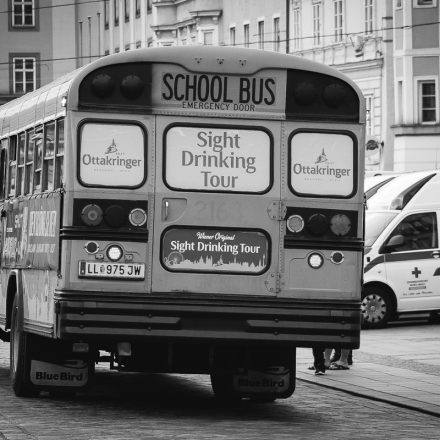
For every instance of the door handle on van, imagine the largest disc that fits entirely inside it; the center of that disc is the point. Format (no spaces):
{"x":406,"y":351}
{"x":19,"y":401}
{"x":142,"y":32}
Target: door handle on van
{"x":436,"y":254}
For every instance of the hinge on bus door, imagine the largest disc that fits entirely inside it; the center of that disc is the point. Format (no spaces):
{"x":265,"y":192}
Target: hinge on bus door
{"x":277,"y":210}
{"x":273,"y":282}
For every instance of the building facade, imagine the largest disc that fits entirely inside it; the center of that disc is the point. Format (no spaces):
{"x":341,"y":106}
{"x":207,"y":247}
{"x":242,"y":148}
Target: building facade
{"x":416,"y":86}
{"x":35,"y":47}
{"x":390,"y":48}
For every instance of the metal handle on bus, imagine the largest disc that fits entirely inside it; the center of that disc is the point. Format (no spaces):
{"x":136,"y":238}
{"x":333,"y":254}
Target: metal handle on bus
{"x":436,"y":254}
{"x":166,"y":205}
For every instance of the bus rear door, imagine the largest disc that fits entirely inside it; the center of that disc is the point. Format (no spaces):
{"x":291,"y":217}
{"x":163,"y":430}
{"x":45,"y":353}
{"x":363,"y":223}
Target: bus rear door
{"x":215,"y":227}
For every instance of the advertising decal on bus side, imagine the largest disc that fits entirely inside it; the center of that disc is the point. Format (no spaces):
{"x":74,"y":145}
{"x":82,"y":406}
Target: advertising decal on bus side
{"x":112,"y":154}
{"x":215,"y":250}
{"x":322,"y":164}
{"x":32,"y":238}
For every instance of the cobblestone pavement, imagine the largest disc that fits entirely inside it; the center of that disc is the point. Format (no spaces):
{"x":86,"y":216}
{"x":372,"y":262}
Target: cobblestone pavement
{"x":138,"y":406}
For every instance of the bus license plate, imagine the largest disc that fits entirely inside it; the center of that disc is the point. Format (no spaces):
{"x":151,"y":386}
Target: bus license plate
{"x":92,"y":269}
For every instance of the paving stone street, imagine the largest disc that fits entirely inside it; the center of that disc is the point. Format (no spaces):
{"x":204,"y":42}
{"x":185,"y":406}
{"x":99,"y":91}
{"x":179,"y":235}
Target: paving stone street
{"x":138,"y":406}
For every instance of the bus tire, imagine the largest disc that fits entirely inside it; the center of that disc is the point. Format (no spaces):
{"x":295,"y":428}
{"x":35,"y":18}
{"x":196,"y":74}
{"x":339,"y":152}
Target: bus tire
{"x":222,"y":387}
{"x":20,"y":354}
{"x":377,"y":307}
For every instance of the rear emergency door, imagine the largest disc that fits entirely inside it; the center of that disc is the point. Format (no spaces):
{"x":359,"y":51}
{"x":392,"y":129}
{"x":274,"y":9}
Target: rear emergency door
{"x":214,"y":227}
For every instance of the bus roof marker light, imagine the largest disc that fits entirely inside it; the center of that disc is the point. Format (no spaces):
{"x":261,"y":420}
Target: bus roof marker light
{"x":91,"y":215}
{"x":335,"y":95}
{"x":295,"y":223}
{"x":305,"y":93}
{"x":103,"y":85}
{"x":315,"y":260}
{"x":132,"y":86}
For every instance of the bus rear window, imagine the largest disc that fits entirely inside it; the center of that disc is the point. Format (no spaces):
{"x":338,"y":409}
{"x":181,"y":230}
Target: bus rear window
{"x":112,"y":155}
{"x":218,"y":158}
{"x":322,"y":164}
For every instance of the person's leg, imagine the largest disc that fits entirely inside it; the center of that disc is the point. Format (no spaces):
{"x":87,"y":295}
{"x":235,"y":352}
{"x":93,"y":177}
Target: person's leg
{"x":336,"y":355}
{"x":327,"y":354}
{"x":350,"y":358}
{"x":318,"y":360}
{"x":343,"y":360}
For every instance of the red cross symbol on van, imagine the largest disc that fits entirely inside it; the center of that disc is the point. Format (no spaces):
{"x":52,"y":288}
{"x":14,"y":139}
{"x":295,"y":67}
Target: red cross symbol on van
{"x":416,"y":272}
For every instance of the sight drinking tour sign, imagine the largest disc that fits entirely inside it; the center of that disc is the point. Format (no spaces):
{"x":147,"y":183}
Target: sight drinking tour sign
{"x":217,"y":159}
{"x":215,"y":250}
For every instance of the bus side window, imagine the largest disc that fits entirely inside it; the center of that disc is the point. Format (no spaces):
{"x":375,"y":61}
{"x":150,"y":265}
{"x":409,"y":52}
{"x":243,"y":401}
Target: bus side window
{"x":59,"y":161}
{"x":4,"y":149}
{"x":38,"y":145}
{"x":29,"y":162}
{"x":12,"y":158}
{"x":20,"y":162}
{"x":49,"y":155}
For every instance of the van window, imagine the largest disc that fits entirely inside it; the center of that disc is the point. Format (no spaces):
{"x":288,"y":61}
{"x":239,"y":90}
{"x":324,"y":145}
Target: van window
{"x":419,"y":231}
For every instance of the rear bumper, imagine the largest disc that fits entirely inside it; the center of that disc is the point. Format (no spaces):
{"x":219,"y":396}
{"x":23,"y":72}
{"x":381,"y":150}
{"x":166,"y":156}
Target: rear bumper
{"x":180,"y":317}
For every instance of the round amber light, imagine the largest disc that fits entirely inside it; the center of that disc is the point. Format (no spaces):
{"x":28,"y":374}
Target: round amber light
{"x":340,"y":225}
{"x":91,"y":215}
{"x":295,"y":223}
{"x":137,"y":217}
{"x":91,"y":247}
{"x":114,"y":253}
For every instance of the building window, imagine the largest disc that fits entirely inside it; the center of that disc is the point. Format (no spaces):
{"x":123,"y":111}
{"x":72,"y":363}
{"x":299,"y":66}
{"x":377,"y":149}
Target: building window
{"x":116,"y":12}
{"x":106,"y":15}
{"x":427,"y":102}
{"x":149,"y":5}
{"x":368,"y":16}
{"x":127,"y":10}
{"x":208,"y":38}
{"x":296,"y":29}
{"x":24,"y":75}
{"x":23,"y":13}
{"x":246,"y":34}
{"x":138,"y":8}
{"x":369,"y":123}
{"x":232,"y":36}
{"x":138,"y":44}
{"x":398,"y":4}
{"x":337,"y":20}
{"x":276,"y":34}
{"x":261,"y":34}
{"x":317,"y":24}
{"x":399,"y":102}
{"x":427,"y":3}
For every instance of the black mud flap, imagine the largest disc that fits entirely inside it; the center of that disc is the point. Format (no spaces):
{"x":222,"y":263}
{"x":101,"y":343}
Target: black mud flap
{"x":275,"y":382}
{"x":68,"y":375}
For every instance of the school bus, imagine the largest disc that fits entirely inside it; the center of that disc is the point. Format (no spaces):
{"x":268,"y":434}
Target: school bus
{"x":181,"y":210}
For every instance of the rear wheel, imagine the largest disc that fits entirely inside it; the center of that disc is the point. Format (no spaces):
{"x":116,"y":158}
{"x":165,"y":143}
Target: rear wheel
{"x":377,"y":307}
{"x":222,"y":385}
{"x":20,"y":355}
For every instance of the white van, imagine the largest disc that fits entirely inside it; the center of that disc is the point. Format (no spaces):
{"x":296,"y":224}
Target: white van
{"x":402,"y":258}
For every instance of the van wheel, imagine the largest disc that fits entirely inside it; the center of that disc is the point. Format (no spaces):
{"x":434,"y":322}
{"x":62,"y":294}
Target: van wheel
{"x":376,"y":307}
{"x":20,"y":355}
